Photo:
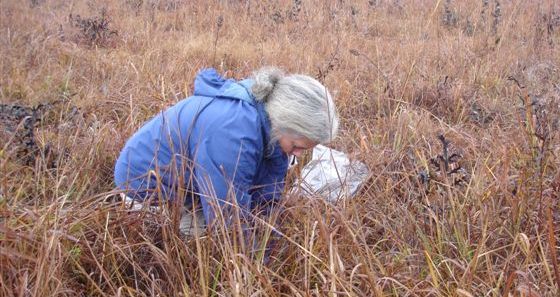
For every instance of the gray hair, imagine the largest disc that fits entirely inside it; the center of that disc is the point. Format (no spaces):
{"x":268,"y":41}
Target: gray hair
{"x":296,"y":104}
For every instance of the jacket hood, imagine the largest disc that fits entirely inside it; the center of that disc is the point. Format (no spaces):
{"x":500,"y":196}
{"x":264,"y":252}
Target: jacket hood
{"x":209,"y":83}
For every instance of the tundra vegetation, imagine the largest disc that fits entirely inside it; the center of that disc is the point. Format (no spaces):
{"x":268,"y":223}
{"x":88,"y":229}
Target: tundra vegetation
{"x":453,"y":105}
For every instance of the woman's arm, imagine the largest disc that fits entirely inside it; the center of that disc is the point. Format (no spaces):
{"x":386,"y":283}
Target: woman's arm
{"x":226,"y":156}
{"x":270,"y":182}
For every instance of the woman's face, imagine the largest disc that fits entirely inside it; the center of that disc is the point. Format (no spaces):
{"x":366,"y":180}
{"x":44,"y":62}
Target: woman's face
{"x":293,"y":145}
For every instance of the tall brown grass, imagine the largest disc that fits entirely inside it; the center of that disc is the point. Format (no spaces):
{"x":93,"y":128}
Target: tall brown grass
{"x":403,"y":72}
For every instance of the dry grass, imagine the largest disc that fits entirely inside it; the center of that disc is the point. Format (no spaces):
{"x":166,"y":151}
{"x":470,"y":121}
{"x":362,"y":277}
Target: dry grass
{"x":403,"y":73}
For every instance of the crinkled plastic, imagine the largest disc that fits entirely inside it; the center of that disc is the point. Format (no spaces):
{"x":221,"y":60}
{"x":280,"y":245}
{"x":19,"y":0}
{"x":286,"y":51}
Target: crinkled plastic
{"x":332,"y":175}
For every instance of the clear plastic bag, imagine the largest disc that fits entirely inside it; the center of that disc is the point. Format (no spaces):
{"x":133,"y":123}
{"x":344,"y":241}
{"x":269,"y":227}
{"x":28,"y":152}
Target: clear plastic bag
{"x":332,"y":175}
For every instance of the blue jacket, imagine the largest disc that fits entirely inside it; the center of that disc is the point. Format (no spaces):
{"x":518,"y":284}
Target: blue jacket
{"x":214,"y":143}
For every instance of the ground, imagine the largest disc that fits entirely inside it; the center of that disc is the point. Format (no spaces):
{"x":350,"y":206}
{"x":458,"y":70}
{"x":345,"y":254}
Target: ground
{"x":452,"y":105}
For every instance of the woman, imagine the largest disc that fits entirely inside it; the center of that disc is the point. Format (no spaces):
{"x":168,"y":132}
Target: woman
{"x":229,"y":142}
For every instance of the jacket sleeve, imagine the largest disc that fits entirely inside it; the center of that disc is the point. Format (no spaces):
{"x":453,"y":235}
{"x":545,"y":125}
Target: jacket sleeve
{"x":226,"y":158}
{"x":271,"y":183}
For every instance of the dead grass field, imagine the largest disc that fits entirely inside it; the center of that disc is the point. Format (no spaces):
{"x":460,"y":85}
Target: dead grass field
{"x":475,"y":212}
